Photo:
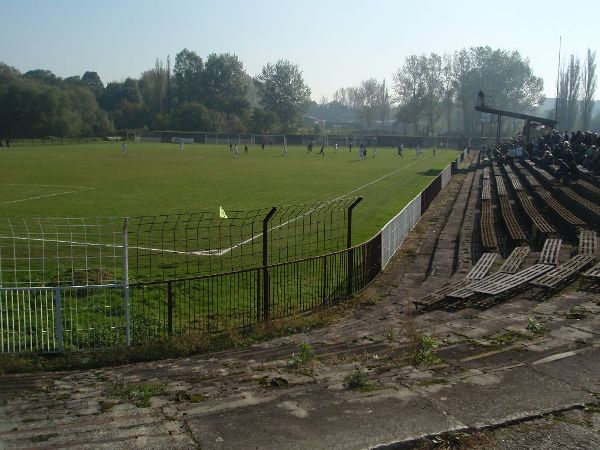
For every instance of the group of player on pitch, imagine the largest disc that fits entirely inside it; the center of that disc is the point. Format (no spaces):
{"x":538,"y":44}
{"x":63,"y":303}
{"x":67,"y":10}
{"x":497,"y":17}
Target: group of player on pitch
{"x":362,"y":151}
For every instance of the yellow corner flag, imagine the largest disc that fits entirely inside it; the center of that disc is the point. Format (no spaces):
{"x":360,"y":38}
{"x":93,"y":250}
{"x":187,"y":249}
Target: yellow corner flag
{"x":222,"y":214}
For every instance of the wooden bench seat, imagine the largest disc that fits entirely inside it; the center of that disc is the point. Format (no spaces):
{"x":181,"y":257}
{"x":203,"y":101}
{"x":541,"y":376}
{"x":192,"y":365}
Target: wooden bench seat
{"x":486,"y":191}
{"x":584,"y":187}
{"x":594,"y":272}
{"x":482,"y":267}
{"x":588,"y":206}
{"x":534,"y":214}
{"x":489,"y":239}
{"x":562,"y":273}
{"x":468,"y":290}
{"x":440,"y":295}
{"x":486,"y":173}
{"x":556,"y":207}
{"x":500,"y":187}
{"x":515,"y":231}
{"x":550,"y":252}
{"x":532,"y":181}
{"x":516,"y":183}
{"x":588,"y":243}
{"x":509,"y":281}
{"x":514,"y":261}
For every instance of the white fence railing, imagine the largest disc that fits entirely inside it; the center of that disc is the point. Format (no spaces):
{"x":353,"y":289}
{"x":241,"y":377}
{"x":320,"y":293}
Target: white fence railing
{"x":395,"y":231}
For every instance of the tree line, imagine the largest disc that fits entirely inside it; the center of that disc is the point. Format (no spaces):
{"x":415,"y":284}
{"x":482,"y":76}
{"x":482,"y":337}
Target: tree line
{"x":429,"y":94}
{"x":435,"y":94}
{"x":194,"y":94}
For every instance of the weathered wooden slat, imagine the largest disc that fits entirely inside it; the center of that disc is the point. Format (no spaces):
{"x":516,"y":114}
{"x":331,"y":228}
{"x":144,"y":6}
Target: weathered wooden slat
{"x":513,"y":281}
{"x":558,"y":208}
{"x":515,"y":260}
{"x":534,"y":214}
{"x":440,"y":294}
{"x":482,"y":267}
{"x":563,"y":272}
{"x":588,"y":243}
{"x":550,"y":252}
{"x":594,"y":272}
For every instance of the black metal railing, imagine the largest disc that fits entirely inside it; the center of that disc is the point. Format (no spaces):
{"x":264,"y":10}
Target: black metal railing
{"x":213,"y":303}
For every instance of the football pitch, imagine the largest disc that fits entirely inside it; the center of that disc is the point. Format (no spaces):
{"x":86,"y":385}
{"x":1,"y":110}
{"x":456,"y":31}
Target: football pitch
{"x":96,"y":180}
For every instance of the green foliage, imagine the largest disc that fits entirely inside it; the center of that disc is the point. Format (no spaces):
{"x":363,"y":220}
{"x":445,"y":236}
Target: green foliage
{"x":284,"y":92}
{"x":535,"y":327}
{"x":358,"y":381}
{"x":425,"y":351}
{"x":304,"y":355}
{"x":137,"y":393}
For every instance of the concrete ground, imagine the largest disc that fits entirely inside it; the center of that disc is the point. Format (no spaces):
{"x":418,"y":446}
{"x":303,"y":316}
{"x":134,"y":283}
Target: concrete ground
{"x":522,"y":373}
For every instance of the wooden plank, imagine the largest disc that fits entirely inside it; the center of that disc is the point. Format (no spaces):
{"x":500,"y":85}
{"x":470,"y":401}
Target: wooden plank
{"x":550,"y":252}
{"x":513,"y":281}
{"x":467,"y":291}
{"x":482,"y":267}
{"x":534,"y":214}
{"x":512,"y":224}
{"x":588,"y":187}
{"x":594,"y":272}
{"x":515,"y":259}
{"x":486,"y":173}
{"x":500,"y":187}
{"x":557,"y":207}
{"x":489,"y":240}
{"x":563,"y":272}
{"x":588,"y":242}
{"x":486,"y":191}
{"x":591,"y":206}
{"x":440,"y":294}
{"x":516,"y":183}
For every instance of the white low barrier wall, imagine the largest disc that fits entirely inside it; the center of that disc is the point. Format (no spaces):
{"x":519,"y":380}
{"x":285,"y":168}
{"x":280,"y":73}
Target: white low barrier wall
{"x":396,"y":230}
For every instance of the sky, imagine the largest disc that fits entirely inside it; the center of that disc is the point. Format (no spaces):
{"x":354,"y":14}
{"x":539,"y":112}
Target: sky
{"x":336,"y":43}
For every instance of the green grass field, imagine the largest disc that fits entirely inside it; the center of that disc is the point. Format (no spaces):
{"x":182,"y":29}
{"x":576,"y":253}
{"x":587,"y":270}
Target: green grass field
{"x":95,"y":180}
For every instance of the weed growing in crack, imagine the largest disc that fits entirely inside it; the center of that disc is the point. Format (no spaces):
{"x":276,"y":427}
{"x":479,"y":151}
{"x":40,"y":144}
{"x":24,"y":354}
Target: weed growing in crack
{"x":137,"y":393}
{"x":535,"y":327}
{"x":304,"y":355}
{"x":358,"y":381}
{"x":425,"y":351}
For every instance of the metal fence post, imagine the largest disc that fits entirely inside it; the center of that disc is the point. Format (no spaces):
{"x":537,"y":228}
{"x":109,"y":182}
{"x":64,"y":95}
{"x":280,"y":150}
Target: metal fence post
{"x":266,"y":285}
{"x":126,"y":283}
{"x":350,"y":252}
{"x":170,"y":308}
{"x":58,"y":317}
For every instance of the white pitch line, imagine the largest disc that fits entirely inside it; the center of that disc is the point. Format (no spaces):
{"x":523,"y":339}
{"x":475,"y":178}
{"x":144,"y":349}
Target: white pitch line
{"x":45,"y":195}
{"x":46,"y":185}
{"x":221,"y":252}
{"x":95,"y":244}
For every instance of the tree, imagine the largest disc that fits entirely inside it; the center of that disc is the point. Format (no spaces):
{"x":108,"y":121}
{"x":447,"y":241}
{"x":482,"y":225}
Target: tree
{"x":589,"y":88}
{"x":92,"y":79}
{"x":187,"y":74}
{"x":42,"y":76}
{"x":284,"y":92}
{"x":384,"y":103}
{"x":224,"y":83}
{"x":448,"y":93}
{"x":368,"y":100}
{"x":193,"y":116}
{"x":409,"y":87}
{"x":505,"y":77}
{"x":264,"y":122}
{"x":116,"y":94}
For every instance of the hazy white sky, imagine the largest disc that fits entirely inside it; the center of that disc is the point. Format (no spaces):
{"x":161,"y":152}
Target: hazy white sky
{"x":335,"y":43}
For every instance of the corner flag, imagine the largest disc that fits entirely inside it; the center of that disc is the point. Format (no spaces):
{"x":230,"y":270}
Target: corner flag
{"x":222,"y":214}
